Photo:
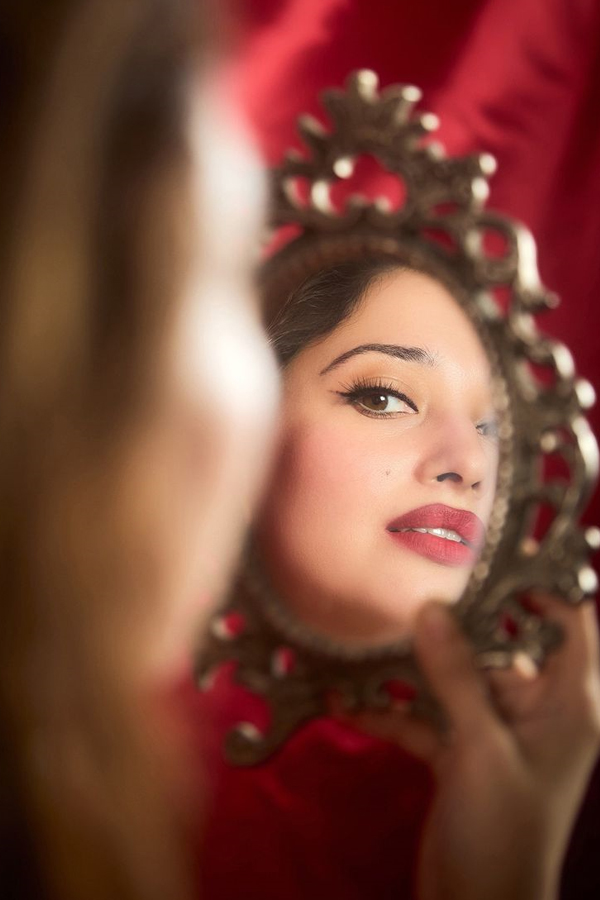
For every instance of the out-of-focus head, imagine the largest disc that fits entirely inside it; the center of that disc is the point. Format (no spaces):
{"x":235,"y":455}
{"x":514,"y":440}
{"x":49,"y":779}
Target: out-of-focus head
{"x":136,"y":393}
{"x":132,"y":365}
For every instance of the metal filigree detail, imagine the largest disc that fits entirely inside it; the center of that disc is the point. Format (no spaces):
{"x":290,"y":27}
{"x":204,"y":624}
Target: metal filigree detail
{"x":489,"y":264}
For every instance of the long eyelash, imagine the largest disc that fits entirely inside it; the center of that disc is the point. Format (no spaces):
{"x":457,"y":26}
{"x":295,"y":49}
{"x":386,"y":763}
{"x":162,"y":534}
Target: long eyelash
{"x":358,"y":388}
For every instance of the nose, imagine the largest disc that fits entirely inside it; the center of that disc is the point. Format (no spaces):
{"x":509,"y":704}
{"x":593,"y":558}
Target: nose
{"x":455,"y":454}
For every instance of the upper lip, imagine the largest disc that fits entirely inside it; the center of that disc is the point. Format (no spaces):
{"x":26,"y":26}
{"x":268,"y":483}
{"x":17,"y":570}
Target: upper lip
{"x":466,"y":524}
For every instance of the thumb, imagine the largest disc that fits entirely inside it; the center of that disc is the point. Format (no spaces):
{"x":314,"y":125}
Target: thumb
{"x":446,"y":660}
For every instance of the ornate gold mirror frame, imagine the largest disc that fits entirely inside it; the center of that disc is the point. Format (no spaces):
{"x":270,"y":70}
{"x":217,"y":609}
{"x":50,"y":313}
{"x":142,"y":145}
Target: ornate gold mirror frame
{"x":548,"y":457}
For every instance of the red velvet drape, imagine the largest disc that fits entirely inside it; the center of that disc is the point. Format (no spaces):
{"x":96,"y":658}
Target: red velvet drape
{"x":336,"y":815}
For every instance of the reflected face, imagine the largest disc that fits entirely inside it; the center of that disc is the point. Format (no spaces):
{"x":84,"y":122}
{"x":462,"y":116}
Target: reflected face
{"x":387,"y":464}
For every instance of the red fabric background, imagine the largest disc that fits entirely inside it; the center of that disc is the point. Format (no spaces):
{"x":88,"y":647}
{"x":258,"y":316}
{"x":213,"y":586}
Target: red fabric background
{"x":336,"y":815}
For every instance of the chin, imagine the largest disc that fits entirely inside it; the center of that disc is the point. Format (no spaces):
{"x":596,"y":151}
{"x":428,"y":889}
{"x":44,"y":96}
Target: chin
{"x":423,"y":581}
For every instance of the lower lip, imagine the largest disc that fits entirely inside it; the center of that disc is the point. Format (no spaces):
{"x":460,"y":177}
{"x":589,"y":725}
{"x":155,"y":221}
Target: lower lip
{"x":437,"y":549}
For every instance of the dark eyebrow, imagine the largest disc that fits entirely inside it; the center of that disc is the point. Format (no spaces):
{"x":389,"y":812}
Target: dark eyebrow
{"x":409,"y":354}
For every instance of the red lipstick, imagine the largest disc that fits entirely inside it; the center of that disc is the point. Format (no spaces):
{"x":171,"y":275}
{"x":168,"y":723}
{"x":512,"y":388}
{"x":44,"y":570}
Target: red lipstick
{"x":460,"y":537}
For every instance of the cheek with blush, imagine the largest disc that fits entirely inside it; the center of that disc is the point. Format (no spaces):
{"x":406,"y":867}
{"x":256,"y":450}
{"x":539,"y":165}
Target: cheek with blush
{"x":326,"y":496}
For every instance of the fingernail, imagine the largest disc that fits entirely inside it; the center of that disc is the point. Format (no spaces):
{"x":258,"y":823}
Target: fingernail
{"x":525,"y":666}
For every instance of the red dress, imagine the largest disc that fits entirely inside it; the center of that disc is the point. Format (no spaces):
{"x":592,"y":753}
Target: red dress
{"x":333,"y":814}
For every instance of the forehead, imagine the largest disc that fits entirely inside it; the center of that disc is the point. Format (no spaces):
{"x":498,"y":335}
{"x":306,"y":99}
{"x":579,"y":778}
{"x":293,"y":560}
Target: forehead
{"x":412,"y":308}
{"x":408,"y":308}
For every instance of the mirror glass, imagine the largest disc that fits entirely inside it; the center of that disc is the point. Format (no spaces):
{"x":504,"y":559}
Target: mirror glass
{"x":385,"y":473}
{"x":426,"y":425}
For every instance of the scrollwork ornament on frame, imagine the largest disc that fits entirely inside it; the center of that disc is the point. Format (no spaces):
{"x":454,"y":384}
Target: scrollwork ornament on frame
{"x":534,"y":541}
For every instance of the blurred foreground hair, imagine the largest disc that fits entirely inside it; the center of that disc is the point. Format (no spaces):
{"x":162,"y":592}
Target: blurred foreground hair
{"x":93,"y":220}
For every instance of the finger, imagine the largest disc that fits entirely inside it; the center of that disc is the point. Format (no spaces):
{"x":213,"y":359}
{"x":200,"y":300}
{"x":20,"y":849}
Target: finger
{"x":447,"y":662}
{"x":515,"y":689}
{"x":568,"y":692}
{"x":579,"y":654}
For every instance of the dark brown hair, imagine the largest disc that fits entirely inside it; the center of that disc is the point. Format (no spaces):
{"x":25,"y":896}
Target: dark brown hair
{"x":323,"y":301}
{"x":93,"y":225}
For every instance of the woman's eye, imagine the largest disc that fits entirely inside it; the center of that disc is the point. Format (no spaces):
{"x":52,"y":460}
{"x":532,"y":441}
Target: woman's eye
{"x":377,"y":400}
{"x":383,"y":403}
